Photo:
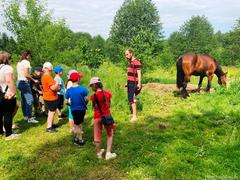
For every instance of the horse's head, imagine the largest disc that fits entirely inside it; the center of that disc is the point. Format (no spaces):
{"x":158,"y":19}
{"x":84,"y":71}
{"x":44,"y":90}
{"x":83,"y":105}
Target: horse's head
{"x":223,"y":79}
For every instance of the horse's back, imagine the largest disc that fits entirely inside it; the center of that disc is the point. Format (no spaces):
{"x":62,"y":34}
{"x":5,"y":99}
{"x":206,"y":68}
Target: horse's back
{"x":189,"y":62}
{"x":198,"y":64}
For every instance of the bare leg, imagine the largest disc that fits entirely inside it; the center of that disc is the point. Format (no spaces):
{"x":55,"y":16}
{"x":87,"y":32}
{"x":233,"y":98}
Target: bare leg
{"x":78,"y":131}
{"x":59,"y":112}
{"x":134,"y":112}
{"x":109,"y":143}
{"x":50,"y":118}
{"x":98,"y":146}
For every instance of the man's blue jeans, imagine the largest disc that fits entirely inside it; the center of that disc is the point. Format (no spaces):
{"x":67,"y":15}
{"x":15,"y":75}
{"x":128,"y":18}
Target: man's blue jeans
{"x":26,"y":98}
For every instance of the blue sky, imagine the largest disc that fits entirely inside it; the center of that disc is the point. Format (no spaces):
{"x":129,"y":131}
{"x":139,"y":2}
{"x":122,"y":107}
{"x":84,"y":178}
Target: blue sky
{"x":96,"y":16}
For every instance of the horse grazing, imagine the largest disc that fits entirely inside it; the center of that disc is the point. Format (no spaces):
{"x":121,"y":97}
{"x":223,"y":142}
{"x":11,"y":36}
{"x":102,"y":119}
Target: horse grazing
{"x":198,"y":65}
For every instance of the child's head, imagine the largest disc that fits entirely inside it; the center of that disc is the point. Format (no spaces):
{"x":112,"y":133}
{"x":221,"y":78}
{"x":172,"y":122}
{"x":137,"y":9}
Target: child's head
{"x":38,"y":71}
{"x":59,"y":70}
{"x":75,"y":77}
{"x":70,"y":72}
{"x":95,"y":84}
{"x":47,"y":67}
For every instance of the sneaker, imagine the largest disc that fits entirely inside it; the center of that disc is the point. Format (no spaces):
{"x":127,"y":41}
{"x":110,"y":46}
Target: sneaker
{"x":99,"y":155}
{"x":110,"y":155}
{"x":32,"y":120}
{"x":78,"y":142}
{"x":51,"y":130}
{"x":12,"y":137}
{"x":82,"y":142}
{"x":55,"y":126}
{"x":25,"y":118}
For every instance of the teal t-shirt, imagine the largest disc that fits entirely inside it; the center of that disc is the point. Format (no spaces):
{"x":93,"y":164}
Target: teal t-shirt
{"x":62,"y":85}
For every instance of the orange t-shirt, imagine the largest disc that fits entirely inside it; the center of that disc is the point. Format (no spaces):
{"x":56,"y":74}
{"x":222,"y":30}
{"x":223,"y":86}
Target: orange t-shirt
{"x":48,"y":93}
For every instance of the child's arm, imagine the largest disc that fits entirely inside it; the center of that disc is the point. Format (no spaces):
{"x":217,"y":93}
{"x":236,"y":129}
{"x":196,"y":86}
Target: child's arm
{"x":86,"y":99}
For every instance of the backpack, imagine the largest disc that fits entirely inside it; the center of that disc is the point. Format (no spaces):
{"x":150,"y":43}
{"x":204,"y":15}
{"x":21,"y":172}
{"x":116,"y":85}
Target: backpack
{"x":2,"y":93}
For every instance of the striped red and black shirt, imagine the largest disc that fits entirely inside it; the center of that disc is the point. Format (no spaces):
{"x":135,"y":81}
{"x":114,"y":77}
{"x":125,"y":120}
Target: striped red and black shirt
{"x":133,"y":66}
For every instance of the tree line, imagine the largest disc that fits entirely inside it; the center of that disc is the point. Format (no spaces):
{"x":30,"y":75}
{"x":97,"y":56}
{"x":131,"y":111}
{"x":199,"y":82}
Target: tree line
{"x":136,"y":25}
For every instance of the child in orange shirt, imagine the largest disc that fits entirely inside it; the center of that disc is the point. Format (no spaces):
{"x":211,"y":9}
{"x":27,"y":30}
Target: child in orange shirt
{"x":50,"y":88}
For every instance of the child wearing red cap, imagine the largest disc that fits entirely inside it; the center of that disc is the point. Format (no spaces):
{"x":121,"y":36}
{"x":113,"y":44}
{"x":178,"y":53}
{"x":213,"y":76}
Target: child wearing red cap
{"x":104,"y":101}
{"x":77,"y":95}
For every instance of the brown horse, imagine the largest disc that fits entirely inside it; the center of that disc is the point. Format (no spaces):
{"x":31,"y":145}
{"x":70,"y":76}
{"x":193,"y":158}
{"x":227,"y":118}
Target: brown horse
{"x":198,"y":65}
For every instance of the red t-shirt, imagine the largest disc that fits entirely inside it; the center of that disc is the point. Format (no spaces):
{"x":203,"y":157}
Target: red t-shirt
{"x":104,"y":99}
{"x":133,"y":66}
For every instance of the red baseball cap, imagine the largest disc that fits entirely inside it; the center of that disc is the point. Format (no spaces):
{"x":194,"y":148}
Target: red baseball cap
{"x":75,"y":76}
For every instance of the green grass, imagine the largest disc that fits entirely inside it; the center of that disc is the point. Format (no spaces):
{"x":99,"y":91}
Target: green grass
{"x":201,"y":138}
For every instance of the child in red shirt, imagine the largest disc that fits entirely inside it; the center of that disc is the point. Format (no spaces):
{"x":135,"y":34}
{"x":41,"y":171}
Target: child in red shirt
{"x":104,"y":99}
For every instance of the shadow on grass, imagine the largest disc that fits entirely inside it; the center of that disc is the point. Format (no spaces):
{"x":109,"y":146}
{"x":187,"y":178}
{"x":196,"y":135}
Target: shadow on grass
{"x":23,"y":125}
{"x":183,"y":149}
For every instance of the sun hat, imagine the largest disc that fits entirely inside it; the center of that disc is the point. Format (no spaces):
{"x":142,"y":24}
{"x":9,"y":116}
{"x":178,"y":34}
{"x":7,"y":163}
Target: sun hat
{"x":58,"y":69}
{"x":70,"y":72}
{"x":75,"y":76}
{"x":94,"y":80}
{"x":48,"y":65}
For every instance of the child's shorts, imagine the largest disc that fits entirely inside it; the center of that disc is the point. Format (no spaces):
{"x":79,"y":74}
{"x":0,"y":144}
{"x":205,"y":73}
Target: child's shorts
{"x":78,"y":116}
{"x":52,"y":105}
{"x":70,"y":116}
{"x":98,"y":130}
{"x":60,"y":101}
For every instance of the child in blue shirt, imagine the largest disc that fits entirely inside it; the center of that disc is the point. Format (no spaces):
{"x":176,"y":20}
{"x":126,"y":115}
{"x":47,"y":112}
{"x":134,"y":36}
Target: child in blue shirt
{"x":59,"y":71}
{"x":77,"y":96}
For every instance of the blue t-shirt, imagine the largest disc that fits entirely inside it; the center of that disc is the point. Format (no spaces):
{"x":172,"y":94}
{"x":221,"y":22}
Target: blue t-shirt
{"x":61,"y":83}
{"x":76,"y":96}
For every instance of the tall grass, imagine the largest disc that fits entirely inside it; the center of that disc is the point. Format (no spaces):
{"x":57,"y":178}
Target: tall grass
{"x":197,"y":138}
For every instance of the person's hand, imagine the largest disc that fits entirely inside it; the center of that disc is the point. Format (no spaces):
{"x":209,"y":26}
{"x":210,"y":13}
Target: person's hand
{"x":40,"y":92}
{"x":36,"y":81}
{"x":139,"y":85}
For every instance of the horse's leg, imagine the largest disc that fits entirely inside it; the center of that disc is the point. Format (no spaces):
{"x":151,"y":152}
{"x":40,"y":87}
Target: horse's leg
{"x":200,"y":83}
{"x":210,"y":77}
{"x":186,"y":80}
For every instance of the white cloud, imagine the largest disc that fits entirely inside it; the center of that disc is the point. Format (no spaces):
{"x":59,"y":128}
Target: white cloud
{"x":96,"y":16}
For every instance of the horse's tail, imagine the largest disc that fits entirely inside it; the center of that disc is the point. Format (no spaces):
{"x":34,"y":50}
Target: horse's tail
{"x":180,"y":73}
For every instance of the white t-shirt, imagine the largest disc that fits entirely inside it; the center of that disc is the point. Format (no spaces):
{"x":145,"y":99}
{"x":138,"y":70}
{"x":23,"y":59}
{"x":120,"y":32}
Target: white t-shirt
{"x":20,"y":69}
{"x":5,"y":69}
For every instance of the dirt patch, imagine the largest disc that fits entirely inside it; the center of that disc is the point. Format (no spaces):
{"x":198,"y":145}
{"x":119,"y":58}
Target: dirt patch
{"x":166,"y":87}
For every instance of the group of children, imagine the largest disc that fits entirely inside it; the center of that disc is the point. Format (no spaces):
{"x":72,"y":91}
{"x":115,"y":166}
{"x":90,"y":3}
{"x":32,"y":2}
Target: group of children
{"x":51,"y":92}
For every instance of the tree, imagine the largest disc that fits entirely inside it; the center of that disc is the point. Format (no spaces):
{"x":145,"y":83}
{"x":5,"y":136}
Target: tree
{"x":137,"y":25}
{"x":34,"y":29}
{"x":196,"y":35}
{"x":232,"y":46}
{"x":7,"y":43}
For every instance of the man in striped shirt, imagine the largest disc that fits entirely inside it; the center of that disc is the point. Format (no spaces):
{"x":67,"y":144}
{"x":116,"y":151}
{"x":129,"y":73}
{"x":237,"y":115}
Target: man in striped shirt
{"x":133,"y":81}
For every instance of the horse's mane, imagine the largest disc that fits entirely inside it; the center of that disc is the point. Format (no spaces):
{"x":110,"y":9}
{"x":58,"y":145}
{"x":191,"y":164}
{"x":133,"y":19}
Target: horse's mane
{"x":219,"y":72}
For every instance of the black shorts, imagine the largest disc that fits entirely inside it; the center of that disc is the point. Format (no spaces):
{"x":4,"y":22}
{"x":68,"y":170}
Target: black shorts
{"x":60,"y":101}
{"x":78,"y":116}
{"x":51,"y":105}
{"x":131,"y":92}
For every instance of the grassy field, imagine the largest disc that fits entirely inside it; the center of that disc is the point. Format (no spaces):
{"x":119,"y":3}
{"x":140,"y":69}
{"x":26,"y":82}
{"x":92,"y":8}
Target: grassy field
{"x":194,"y":138}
